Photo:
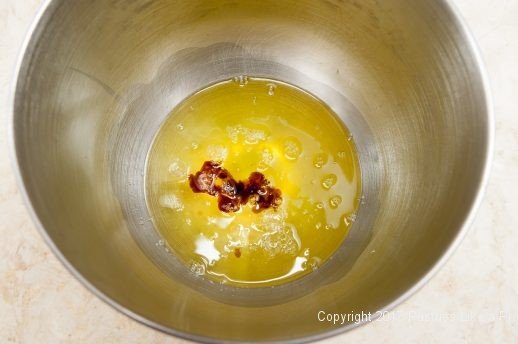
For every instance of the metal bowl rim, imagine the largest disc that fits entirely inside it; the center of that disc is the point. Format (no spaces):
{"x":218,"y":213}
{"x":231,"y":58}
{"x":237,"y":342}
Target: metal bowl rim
{"x":46,"y":10}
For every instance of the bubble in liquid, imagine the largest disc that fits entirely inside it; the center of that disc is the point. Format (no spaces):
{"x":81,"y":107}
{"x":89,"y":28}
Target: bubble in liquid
{"x":217,"y":152}
{"x":328,"y":181}
{"x":314,"y":263}
{"x":241,"y":80}
{"x":233,"y":133}
{"x":319,"y":160}
{"x":250,"y":136}
{"x":350,"y":219}
{"x":318,"y":225}
{"x":350,"y":137}
{"x":253,"y":137}
{"x":271,"y":89}
{"x":188,"y":221}
{"x":278,"y":238}
{"x":172,"y":202}
{"x":178,"y":169}
{"x":179,"y":127}
{"x":342,"y":155}
{"x":197,"y":268}
{"x":266,"y":159}
{"x":267,"y":155}
{"x":194,"y":145}
{"x":335,"y":201}
{"x":320,"y":205}
{"x":329,"y":227}
{"x":306,"y":252}
{"x":292,"y":148}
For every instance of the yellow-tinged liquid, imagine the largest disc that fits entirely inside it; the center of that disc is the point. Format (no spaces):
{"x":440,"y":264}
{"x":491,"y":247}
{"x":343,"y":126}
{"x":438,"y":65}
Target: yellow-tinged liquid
{"x":252,"y":124}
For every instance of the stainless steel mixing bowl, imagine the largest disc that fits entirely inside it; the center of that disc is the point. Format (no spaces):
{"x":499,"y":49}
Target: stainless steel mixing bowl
{"x":98,"y":77}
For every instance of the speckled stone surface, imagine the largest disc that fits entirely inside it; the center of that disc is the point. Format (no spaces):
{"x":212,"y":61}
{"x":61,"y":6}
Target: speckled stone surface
{"x":474,"y":298}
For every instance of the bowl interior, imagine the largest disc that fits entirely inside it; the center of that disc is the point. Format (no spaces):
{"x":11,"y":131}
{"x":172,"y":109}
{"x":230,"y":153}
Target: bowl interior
{"x":99,"y":77}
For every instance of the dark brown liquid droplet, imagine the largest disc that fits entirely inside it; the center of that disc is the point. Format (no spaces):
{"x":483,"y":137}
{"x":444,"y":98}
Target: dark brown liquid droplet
{"x":216,"y":181}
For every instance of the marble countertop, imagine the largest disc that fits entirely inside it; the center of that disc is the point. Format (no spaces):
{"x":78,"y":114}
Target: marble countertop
{"x":474,"y":298}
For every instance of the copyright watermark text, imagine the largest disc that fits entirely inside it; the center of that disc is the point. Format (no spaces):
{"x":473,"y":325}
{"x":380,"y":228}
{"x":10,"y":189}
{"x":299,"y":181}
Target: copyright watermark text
{"x":416,"y":316}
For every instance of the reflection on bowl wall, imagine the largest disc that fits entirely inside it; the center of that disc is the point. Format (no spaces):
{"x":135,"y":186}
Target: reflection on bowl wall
{"x":99,"y":77}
